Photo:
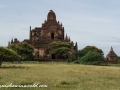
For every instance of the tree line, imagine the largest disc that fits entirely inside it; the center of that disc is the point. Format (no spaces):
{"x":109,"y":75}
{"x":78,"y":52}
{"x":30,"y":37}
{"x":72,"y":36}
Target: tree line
{"x":24,"y":51}
{"x":88,"y":55}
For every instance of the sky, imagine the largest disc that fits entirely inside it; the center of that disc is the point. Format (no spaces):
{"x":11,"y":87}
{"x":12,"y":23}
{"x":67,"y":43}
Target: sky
{"x":87,"y":22}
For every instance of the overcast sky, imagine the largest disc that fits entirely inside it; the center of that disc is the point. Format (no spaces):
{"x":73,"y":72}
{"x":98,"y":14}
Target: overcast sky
{"x":88,"y":22}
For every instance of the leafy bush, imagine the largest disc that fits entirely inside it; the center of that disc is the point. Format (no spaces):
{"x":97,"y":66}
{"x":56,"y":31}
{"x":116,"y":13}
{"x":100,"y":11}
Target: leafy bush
{"x":24,"y":49}
{"x":8,"y":54}
{"x":84,"y":51}
{"x":60,"y":49}
{"x":92,"y":57}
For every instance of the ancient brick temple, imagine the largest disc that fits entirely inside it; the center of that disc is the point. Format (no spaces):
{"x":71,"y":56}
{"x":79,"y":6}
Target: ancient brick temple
{"x":40,"y":37}
{"x":111,"y":57}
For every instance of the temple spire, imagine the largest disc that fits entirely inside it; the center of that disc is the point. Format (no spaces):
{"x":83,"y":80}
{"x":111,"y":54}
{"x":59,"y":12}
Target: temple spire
{"x":66,"y":37}
{"x":45,"y":21}
{"x":111,"y":49}
{"x":30,"y":28}
{"x":12,"y":40}
{"x":76,"y":46}
{"x":30,"y":33}
{"x":69,"y":38}
{"x":51,"y":16}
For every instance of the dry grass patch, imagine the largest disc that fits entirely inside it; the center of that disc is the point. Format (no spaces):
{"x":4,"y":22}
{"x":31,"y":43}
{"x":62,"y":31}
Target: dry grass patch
{"x":61,"y":76}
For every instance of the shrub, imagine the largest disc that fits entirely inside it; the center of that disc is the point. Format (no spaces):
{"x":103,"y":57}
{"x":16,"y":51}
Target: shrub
{"x":24,"y":49}
{"x":8,"y":54}
{"x":92,"y":58}
{"x":84,"y":51}
{"x":60,"y":49}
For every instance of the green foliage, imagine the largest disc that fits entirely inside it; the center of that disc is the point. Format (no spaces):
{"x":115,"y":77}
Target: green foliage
{"x":8,"y":54}
{"x":23,"y":49}
{"x":93,"y":48}
{"x":60,"y":48}
{"x":118,"y":58}
{"x":85,"y":50}
{"x":69,"y":60}
{"x":60,"y":44}
{"x":73,"y":57}
{"x":92,"y":57}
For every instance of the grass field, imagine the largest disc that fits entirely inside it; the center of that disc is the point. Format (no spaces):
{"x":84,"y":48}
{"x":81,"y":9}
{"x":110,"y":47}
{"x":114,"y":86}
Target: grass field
{"x":60,"y":76}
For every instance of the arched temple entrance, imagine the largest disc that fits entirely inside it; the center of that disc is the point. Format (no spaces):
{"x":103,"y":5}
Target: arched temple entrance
{"x":52,"y":35}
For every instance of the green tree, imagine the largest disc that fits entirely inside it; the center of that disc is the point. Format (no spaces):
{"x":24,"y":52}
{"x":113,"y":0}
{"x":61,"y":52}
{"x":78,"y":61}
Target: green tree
{"x":118,"y":58}
{"x":84,"y":51}
{"x":8,"y":54}
{"x":92,"y":57}
{"x":24,"y":49}
{"x":60,"y":48}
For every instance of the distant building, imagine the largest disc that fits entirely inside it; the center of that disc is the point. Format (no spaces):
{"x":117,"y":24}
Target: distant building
{"x":13,"y":41}
{"x":40,"y":37}
{"x":111,"y":57}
